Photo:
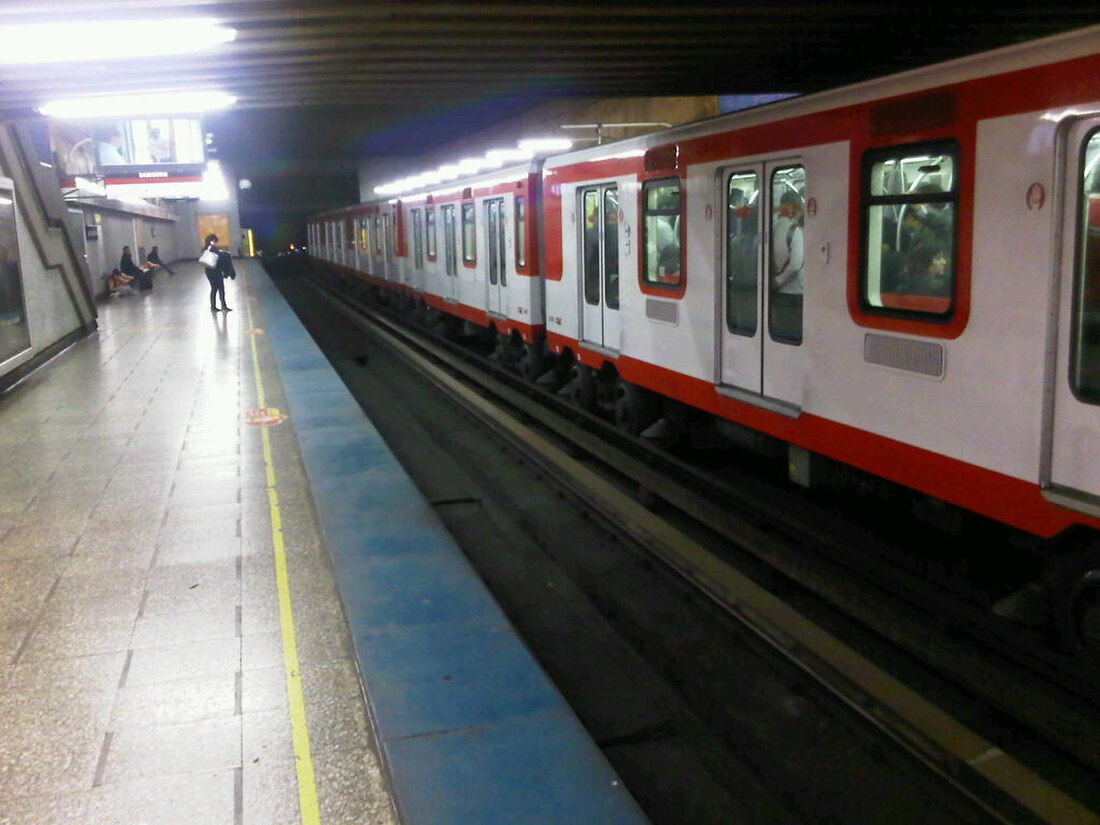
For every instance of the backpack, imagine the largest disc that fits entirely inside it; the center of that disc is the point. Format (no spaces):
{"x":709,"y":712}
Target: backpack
{"x":225,"y":265}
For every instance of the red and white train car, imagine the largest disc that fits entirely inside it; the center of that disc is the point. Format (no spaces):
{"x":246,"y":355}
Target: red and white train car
{"x":902,"y":276}
{"x":469,"y":250}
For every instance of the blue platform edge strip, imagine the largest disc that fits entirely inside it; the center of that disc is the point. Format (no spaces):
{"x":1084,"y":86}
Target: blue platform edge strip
{"x":471,"y":728}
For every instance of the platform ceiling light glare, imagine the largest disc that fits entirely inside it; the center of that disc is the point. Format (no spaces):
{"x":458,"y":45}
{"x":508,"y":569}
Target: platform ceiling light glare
{"x":137,"y":105}
{"x":509,"y":155}
{"x":541,"y":146}
{"x":30,"y":43}
{"x":494,"y":159}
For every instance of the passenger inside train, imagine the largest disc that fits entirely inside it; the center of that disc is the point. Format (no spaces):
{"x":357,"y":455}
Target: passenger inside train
{"x":741,"y":253}
{"x":911,"y":218}
{"x":662,"y":230}
{"x":925,"y":272}
{"x":787,"y":267}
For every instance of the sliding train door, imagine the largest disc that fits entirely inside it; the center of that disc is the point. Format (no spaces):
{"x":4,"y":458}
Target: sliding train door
{"x":1074,"y":441}
{"x":496,"y":258}
{"x":760,"y":305}
{"x":601,"y":324}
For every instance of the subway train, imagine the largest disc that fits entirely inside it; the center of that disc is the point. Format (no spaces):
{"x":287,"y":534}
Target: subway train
{"x":900,"y":276}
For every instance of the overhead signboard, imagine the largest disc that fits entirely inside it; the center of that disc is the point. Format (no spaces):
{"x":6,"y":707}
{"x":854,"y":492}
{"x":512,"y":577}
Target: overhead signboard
{"x":163,"y":148}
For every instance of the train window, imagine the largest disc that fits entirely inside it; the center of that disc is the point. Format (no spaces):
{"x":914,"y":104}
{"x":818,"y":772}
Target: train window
{"x":377,"y":234}
{"x":469,"y":234}
{"x":495,"y":256}
{"x":429,"y":220}
{"x":661,"y":225}
{"x":391,"y":235}
{"x":910,"y":197}
{"x":590,"y":200}
{"x":611,"y":247}
{"x":521,"y":233}
{"x":418,"y":239}
{"x":742,"y":236}
{"x":786,"y":258}
{"x":451,"y":259}
{"x":1085,"y":340}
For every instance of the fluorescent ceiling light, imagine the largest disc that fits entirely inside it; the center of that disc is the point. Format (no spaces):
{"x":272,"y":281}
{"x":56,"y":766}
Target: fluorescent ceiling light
{"x":137,"y":105}
{"x":508,"y":155}
{"x":108,"y":40}
{"x":543,"y":145}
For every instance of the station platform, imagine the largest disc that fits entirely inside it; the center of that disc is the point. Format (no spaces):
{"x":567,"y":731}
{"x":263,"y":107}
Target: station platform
{"x":223,"y":601}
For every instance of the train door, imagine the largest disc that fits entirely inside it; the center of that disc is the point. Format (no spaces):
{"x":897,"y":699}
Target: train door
{"x":496,"y":258}
{"x":760,"y":306}
{"x":1075,"y":433}
{"x":450,"y":253}
{"x":599,"y":288}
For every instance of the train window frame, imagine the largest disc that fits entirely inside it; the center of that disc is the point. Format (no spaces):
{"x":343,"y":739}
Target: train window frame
{"x":519,"y":218}
{"x":390,"y":224}
{"x":925,"y":309}
{"x":448,"y":209}
{"x":648,"y":285}
{"x":364,"y":234}
{"x":589,"y":280}
{"x":431,"y":249}
{"x":1080,"y":298}
{"x":418,"y":238}
{"x":749,"y":210}
{"x":468,"y":229}
{"x":785,"y":307}
{"x":377,"y":234}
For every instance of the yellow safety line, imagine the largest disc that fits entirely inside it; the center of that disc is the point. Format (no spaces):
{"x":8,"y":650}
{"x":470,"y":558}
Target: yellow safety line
{"x":303,"y":759}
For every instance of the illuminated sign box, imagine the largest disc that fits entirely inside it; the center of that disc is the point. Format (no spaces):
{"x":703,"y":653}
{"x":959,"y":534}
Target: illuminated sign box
{"x":126,"y":149}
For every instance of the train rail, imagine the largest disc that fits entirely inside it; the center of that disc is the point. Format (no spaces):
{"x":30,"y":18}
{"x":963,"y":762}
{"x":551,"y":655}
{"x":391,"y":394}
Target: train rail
{"x":614,"y":474}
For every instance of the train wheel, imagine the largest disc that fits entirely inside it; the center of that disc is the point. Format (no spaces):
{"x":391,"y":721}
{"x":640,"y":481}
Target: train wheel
{"x":1075,"y":600}
{"x":635,"y":408}
{"x":583,"y":381}
{"x":1087,"y":614}
{"x":533,"y":363}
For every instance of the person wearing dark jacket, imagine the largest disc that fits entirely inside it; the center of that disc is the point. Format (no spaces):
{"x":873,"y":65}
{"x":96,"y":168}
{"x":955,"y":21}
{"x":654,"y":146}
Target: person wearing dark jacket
{"x":141,"y":273}
{"x":215,"y":275}
{"x":154,"y":258}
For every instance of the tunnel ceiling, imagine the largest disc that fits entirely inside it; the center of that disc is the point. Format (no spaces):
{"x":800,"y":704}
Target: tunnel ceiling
{"x":411,"y":54}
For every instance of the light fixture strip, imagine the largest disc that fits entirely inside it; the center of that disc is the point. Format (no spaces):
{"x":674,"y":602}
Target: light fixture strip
{"x":137,"y":105}
{"x":115,"y":40}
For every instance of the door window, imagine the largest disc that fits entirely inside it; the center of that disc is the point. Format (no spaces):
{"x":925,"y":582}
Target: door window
{"x":469,"y":234}
{"x":429,"y":219}
{"x":786,"y":260}
{"x":742,"y":238}
{"x":1085,"y":329}
{"x":418,"y":239}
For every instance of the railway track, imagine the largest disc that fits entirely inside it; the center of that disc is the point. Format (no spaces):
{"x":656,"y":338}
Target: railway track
{"x":705,"y":528}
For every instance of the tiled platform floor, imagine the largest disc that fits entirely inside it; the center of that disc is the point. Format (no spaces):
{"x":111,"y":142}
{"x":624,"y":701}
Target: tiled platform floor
{"x":142,"y":676}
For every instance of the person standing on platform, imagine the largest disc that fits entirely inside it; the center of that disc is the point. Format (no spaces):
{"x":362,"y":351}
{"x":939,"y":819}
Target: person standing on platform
{"x":154,"y":258}
{"x":214,"y":275}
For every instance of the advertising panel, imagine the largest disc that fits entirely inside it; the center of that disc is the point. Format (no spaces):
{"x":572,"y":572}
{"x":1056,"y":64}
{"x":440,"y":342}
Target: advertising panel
{"x":165,"y":147}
